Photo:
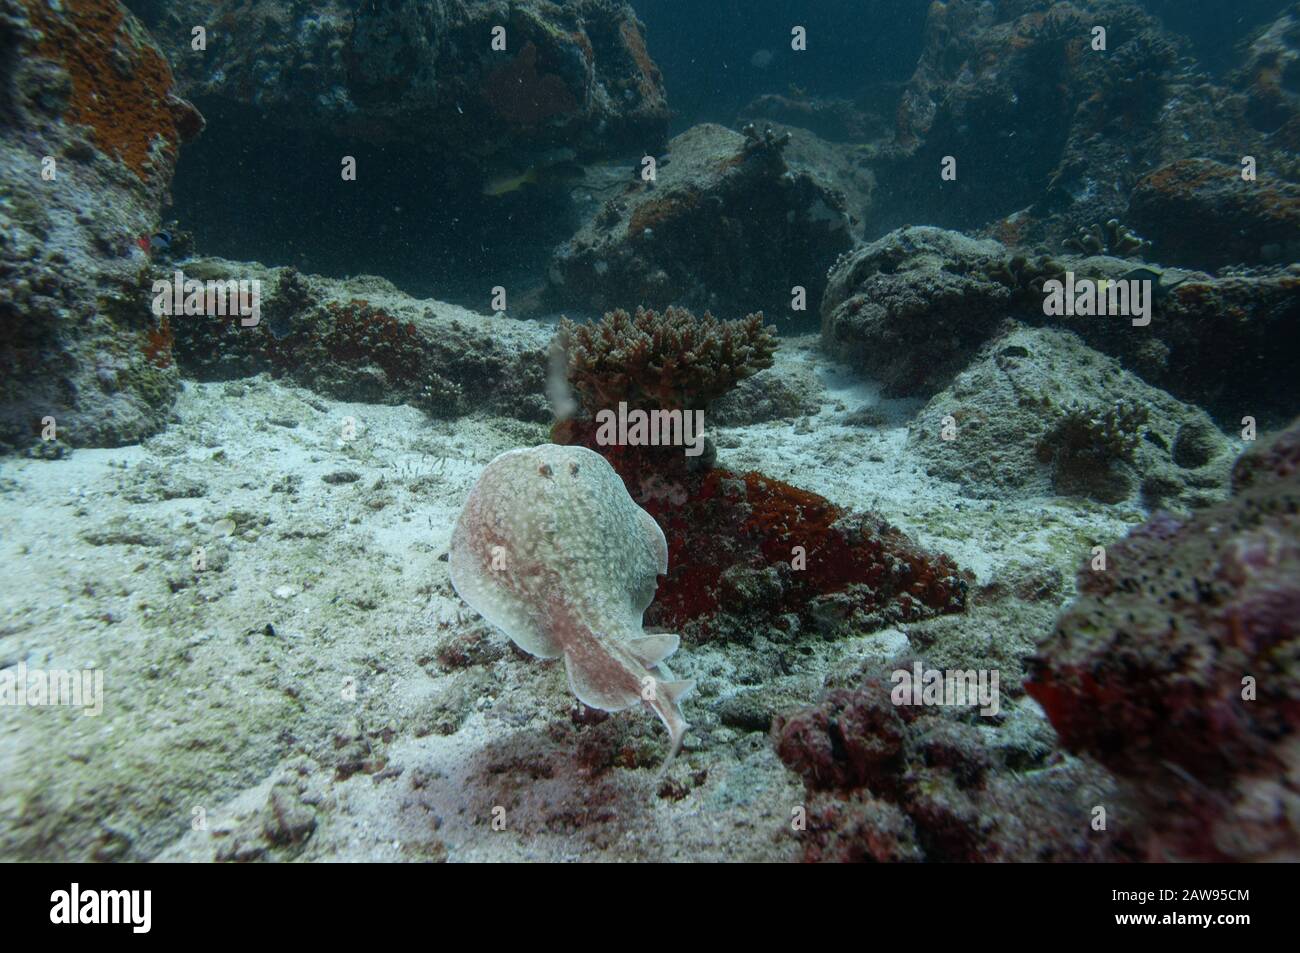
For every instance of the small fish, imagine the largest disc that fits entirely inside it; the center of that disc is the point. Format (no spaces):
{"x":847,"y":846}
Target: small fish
{"x":1159,"y":289}
{"x":500,"y":185}
{"x":563,"y":173}
{"x":158,"y":241}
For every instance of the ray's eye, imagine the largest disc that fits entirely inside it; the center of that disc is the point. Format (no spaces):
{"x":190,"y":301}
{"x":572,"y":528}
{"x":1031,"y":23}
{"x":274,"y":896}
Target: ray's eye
{"x":546,"y":471}
{"x":573,"y":469}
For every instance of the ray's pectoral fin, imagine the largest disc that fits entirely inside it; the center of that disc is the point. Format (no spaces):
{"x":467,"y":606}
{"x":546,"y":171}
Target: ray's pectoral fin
{"x":593,"y":689}
{"x":650,"y":650}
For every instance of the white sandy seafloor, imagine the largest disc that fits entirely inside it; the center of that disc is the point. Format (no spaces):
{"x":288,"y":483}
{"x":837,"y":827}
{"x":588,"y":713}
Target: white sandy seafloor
{"x":288,"y":700}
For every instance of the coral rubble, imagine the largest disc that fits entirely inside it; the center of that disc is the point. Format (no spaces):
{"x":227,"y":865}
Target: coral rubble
{"x":889,"y":782}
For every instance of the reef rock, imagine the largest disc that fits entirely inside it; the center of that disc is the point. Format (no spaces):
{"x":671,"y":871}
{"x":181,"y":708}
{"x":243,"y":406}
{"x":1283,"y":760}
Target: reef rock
{"x":1176,"y":668}
{"x":1269,"y":78}
{"x":890,"y":782}
{"x":363,"y":340}
{"x":89,"y":134}
{"x":1201,"y":214}
{"x":1039,"y":412}
{"x":838,"y":120}
{"x":1048,"y":132}
{"x":911,"y":308}
{"x":427,"y":74}
{"x":778,"y":393}
{"x":726,"y":222}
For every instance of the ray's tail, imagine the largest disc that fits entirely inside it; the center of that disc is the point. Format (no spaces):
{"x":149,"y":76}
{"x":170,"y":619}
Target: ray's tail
{"x":666,"y":705}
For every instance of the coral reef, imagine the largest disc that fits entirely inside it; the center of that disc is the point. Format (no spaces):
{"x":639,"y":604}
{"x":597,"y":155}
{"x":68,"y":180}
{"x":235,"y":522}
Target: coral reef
{"x":725,"y":220}
{"x":364,"y":340}
{"x":1176,"y":668}
{"x":91,"y":132}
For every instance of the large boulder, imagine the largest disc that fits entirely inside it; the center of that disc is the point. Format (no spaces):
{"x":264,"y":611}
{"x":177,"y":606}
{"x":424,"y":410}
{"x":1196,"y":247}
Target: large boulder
{"x":1270,"y":78}
{"x":1203,"y":214}
{"x":1176,"y":668}
{"x":726,"y":224}
{"x":911,"y":308}
{"x":1049,"y":133}
{"x":90,"y":128}
{"x":1038,"y":412}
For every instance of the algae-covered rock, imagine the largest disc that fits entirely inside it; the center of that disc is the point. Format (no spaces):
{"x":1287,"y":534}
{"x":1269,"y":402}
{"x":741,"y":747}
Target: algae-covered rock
{"x":90,"y":135}
{"x":471,"y":79}
{"x":363,"y":340}
{"x":1037,"y":411}
{"x":910,"y":307}
{"x":725,"y":224}
{"x":1176,"y":668}
{"x":1203,"y":214}
{"x":890,"y":782}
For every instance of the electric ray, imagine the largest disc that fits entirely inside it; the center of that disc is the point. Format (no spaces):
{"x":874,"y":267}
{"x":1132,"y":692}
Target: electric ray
{"x":552,"y":550}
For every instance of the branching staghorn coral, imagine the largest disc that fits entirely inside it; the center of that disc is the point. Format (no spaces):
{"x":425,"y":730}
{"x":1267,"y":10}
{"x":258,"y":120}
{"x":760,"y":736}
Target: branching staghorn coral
{"x":1088,"y":447}
{"x":1100,"y":434}
{"x":1113,"y":238}
{"x":667,"y":360}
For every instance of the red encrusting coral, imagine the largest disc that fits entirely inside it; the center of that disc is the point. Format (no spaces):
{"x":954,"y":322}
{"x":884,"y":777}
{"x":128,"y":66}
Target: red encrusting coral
{"x":158,"y":343}
{"x":121,"y":86}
